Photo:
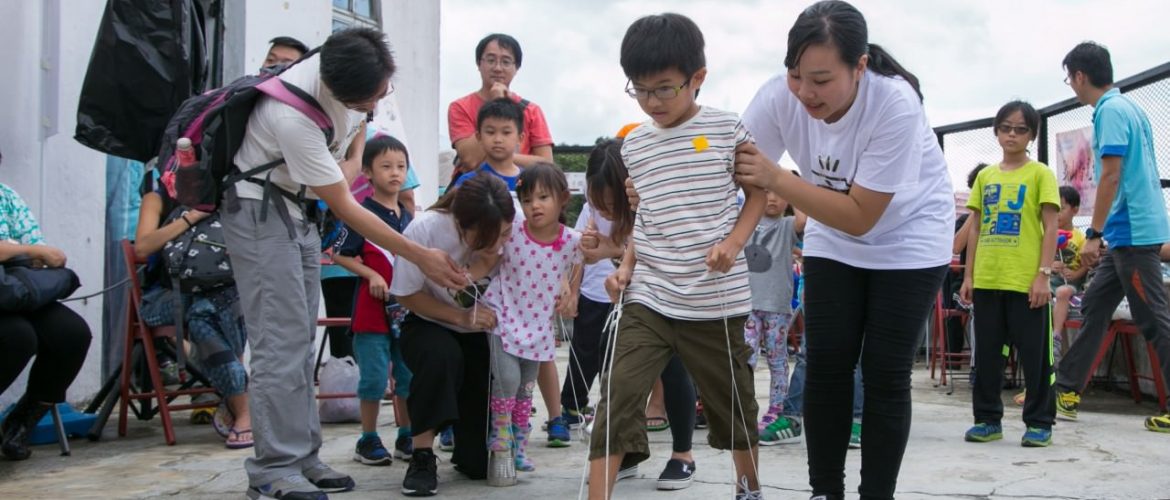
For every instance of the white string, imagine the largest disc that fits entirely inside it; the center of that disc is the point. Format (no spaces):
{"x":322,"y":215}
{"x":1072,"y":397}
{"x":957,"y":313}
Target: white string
{"x":611,"y":327}
{"x":736,"y":399}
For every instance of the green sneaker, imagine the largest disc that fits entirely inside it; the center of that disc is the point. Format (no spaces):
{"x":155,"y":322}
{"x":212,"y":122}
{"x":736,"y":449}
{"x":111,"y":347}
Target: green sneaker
{"x":1036,"y":437}
{"x":1159,"y":423}
{"x":983,"y":433}
{"x":855,"y":436}
{"x":1067,"y":404}
{"x":783,"y":430}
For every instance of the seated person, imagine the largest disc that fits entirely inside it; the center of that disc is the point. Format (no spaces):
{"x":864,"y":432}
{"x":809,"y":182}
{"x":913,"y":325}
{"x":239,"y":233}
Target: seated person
{"x":214,"y":321}
{"x":1068,"y":274}
{"x":55,"y":334}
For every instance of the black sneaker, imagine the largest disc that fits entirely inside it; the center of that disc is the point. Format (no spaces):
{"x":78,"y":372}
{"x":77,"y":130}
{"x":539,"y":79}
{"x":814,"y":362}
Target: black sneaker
{"x":422,"y":477}
{"x":678,"y":474}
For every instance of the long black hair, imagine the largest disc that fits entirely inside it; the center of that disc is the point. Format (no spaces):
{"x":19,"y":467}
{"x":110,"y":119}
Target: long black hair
{"x":839,"y":23}
{"x":605,"y":175}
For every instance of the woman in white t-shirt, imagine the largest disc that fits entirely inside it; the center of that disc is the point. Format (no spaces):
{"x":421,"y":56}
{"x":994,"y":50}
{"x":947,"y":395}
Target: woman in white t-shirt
{"x":880,"y":204}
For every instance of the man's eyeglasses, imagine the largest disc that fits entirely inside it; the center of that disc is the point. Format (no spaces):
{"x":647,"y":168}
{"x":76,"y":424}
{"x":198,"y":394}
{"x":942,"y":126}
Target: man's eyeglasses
{"x":504,"y":63}
{"x":1018,"y":129}
{"x":662,"y":93}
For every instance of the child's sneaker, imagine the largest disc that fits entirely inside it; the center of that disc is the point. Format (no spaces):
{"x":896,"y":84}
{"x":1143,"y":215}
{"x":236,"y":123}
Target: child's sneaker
{"x":1159,"y":423}
{"x":558,"y":433}
{"x":1067,"y":404}
{"x":422,"y":477}
{"x":447,"y":439}
{"x":983,"y":433}
{"x":573,"y":418}
{"x":700,"y":419}
{"x":855,"y":436}
{"x":677,"y":475}
{"x":783,"y":430}
{"x":403,"y":447}
{"x":1036,"y":437}
{"x":370,"y":451}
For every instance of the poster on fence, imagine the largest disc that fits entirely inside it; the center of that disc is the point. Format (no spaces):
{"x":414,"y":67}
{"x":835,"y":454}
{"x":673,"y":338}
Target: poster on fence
{"x":1074,"y":165}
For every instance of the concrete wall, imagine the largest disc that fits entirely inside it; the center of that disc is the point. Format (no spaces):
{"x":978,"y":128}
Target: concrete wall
{"x":413,"y":29}
{"x":46,"y":53}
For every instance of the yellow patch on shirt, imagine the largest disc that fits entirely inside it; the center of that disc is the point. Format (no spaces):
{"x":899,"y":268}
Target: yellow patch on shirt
{"x":700,"y":143}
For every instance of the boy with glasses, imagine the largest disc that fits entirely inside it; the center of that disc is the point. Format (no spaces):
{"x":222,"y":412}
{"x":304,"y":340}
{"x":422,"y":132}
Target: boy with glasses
{"x":684,"y":278}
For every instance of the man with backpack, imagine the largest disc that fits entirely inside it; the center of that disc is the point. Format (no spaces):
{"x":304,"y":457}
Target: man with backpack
{"x":275,"y":247}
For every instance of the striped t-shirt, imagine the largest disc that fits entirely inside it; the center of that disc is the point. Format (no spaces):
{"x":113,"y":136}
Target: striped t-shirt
{"x":683,"y":176}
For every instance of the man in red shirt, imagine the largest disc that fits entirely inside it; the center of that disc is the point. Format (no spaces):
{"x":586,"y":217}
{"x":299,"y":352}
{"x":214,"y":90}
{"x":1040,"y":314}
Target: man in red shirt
{"x":498,"y":57}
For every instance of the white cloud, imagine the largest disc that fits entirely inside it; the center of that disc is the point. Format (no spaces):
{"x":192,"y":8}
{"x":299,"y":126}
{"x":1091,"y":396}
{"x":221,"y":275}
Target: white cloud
{"x":970,"y":56}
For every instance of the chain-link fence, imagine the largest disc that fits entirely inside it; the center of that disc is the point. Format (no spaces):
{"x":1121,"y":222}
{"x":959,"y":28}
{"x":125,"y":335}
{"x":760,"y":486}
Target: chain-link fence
{"x":970,"y":143}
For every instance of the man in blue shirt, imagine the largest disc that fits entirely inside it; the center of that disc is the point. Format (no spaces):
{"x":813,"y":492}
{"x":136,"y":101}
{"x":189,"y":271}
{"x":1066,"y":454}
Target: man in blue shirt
{"x":1130,"y":216}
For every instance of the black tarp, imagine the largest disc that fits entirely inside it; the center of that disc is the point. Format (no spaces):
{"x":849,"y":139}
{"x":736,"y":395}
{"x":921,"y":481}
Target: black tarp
{"x":148,"y":58}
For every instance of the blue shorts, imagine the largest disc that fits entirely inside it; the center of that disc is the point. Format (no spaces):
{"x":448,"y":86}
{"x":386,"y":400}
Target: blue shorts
{"x":375,"y":352}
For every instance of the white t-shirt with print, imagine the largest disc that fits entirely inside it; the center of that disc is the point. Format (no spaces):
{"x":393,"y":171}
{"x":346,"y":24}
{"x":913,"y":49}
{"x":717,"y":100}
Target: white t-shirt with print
{"x":277,"y":130}
{"x":431,"y":229}
{"x":884,"y":143}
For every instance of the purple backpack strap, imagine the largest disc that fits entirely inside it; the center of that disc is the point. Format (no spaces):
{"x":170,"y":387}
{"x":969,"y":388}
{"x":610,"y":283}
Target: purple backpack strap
{"x":277,"y":89}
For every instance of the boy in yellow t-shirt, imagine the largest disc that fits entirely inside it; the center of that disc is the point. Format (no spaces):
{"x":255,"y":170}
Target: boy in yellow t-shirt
{"x":1009,"y":257}
{"x":1068,"y":274}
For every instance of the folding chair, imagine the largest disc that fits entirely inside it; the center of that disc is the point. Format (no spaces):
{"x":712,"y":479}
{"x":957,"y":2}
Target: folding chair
{"x":140,"y":344}
{"x":940,"y":358}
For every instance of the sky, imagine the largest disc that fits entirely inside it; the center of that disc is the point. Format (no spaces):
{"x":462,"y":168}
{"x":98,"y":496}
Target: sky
{"x":971,"y":56}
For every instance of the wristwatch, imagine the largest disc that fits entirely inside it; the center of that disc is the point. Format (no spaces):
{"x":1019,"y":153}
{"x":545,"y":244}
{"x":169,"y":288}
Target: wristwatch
{"x":1047,"y":271}
{"x":1092,"y":234}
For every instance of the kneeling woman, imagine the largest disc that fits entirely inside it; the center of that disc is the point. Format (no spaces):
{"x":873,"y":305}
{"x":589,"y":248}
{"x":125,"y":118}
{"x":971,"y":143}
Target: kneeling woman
{"x":443,"y":339}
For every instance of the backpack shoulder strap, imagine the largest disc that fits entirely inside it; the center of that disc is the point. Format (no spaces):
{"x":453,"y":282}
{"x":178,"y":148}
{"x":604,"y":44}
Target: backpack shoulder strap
{"x":298,"y":99}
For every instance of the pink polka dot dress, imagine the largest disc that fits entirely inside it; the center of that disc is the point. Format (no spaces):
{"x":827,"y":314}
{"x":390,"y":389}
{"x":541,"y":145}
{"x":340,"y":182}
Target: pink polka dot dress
{"x":524,"y":293}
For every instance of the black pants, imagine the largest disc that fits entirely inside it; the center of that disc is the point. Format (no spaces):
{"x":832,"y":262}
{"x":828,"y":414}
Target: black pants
{"x":587,"y":353}
{"x":450,"y":386}
{"x":57,"y":336}
{"x":678,"y":394}
{"x":1004,"y":319}
{"x":338,"y":294}
{"x":877,"y":316}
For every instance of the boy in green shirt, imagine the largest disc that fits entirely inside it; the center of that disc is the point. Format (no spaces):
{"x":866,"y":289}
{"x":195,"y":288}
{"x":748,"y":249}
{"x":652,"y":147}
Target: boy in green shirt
{"x":1010,"y":250}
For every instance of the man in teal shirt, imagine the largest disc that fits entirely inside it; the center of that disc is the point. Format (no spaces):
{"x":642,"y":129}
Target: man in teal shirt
{"x":1130,"y":216}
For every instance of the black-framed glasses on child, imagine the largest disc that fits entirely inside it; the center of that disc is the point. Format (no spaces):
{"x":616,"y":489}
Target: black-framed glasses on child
{"x":1004,"y":128}
{"x":662,"y":93}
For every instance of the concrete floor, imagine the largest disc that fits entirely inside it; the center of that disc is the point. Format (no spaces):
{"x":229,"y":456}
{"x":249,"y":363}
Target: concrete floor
{"x":1105,"y":455}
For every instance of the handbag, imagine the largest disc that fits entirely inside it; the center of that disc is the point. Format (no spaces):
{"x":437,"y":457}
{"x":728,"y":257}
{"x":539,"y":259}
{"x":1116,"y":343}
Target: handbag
{"x":24,"y":288}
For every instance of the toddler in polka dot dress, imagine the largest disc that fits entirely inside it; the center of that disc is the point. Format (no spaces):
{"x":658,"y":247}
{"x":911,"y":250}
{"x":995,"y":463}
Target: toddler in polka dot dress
{"x":539,"y":276}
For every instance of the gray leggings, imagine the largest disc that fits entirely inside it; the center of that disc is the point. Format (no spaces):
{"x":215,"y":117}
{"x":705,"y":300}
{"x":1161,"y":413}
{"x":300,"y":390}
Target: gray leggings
{"x":512,"y":377}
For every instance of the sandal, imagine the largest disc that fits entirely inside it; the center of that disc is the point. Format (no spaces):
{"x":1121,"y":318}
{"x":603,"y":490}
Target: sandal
{"x":223,"y":420}
{"x":234,"y":440}
{"x":656,"y":424}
